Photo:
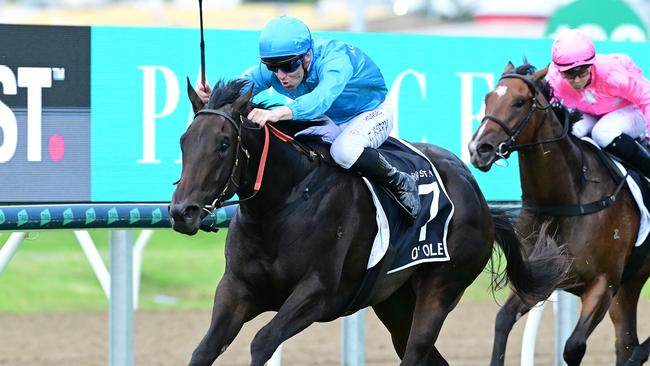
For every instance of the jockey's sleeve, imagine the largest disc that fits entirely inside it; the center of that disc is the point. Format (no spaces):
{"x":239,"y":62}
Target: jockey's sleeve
{"x":637,"y":91}
{"x":333,"y":75}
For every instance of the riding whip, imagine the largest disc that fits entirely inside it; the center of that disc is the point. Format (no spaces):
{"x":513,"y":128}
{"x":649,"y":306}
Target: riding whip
{"x":202,"y":43}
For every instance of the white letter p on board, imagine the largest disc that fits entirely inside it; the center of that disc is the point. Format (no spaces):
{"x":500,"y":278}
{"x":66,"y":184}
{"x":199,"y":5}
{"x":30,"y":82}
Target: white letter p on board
{"x":149,"y":113}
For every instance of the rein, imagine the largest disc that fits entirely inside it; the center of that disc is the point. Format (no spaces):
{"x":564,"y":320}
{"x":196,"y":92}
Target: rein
{"x":268,"y":128}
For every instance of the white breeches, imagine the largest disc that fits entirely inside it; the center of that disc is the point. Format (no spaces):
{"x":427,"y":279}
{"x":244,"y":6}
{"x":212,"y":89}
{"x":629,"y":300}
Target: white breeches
{"x":368,"y":129}
{"x":628,"y":120}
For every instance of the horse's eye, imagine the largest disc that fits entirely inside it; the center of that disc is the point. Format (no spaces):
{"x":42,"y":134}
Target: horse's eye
{"x":224,"y":146}
{"x":519,"y":103}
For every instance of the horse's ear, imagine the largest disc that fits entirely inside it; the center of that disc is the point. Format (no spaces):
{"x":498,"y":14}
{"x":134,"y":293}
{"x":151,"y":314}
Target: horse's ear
{"x":509,"y":68}
{"x":197,"y":103}
{"x":241,"y":103}
{"x":539,"y":75}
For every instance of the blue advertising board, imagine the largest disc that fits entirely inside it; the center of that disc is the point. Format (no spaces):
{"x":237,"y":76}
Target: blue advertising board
{"x":139,"y":107}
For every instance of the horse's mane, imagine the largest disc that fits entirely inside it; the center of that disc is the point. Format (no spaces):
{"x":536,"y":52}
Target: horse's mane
{"x":547,"y":91}
{"x":226,"y":92}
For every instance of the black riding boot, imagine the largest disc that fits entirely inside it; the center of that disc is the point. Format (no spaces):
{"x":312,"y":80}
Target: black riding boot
{"x":374,"y":166}
{"x":629,"y":150}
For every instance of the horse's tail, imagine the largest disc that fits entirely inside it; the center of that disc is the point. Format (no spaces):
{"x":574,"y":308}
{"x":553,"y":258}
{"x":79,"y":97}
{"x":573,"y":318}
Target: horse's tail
{"x":533,"y":278}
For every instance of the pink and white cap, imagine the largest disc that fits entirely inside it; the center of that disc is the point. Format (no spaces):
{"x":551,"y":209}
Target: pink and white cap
{"x":572,"y":48}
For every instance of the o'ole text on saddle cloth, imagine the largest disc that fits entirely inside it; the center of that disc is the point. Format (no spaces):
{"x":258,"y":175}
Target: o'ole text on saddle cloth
{"x":426,"y":240}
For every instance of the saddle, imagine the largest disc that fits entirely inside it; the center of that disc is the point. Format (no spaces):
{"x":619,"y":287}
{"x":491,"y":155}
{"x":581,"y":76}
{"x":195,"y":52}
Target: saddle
{"x":645,"y":142}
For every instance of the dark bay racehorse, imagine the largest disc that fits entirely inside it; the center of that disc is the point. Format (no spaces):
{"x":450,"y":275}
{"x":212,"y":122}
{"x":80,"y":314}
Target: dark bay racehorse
{"x":560,"y":175}
{"x":301,"y":238}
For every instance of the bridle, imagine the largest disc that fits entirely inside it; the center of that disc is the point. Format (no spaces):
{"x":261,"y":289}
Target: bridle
{"x":218,"y":202}
{"x":231,"y":180}
{"x":506,"y":147}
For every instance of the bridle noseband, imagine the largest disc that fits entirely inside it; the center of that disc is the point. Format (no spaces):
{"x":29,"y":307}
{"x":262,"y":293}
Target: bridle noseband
{"x":218,"y":202}
{"x":231,"y":180}
{"x":505,"y":148}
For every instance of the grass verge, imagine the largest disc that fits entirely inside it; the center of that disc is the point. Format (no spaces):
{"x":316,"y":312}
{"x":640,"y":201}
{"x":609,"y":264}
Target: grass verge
{"x":50,"y":273}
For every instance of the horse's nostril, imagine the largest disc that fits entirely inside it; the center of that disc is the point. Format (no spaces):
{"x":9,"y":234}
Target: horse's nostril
{"x":174,"y":211}
{"x":184,"y":213}
{"x":191,"y":212}
{"x":485,"y":149}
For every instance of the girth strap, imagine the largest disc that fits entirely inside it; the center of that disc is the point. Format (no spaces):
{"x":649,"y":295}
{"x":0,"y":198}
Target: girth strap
{"x":575,"y":210}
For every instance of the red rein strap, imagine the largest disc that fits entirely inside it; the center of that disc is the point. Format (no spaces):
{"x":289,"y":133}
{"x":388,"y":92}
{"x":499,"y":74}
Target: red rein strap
{"x":265,"y":150}
{"x":279,"y":134}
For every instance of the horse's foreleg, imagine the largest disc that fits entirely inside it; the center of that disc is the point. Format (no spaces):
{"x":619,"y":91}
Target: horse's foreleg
{"x":595,"y":301}
{"x":509,"y":313}
{"x":436,"y":358}
{"x":302,"y":308}
{"x":232,"y":308}
{"x":623,"y":313}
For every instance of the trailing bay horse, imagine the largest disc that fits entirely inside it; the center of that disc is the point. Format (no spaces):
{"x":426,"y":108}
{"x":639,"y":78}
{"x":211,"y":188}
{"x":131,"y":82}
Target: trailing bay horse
{"x":300,"y":241}
{"x":564,"y":182}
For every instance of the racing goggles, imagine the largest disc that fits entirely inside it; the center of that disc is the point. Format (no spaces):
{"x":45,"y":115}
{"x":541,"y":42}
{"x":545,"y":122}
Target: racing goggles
{"x":286,"y":65}
{"x":580,"y":71}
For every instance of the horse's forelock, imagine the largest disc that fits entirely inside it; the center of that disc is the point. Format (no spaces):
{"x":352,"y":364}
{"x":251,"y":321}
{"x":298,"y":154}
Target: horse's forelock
{"x":547,"y":91}
{"x":525,"y":69}
{"x":226,"y":92}
{"x":557,"y":106}
{"x":543,"y":86}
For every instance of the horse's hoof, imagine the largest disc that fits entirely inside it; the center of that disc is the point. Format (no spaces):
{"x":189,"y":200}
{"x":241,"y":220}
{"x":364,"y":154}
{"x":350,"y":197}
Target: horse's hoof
{"x":637,"y":358}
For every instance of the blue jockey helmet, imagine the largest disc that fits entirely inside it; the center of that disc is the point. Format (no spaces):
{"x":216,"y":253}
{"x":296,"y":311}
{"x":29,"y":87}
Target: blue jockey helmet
{"x":284,"y":36}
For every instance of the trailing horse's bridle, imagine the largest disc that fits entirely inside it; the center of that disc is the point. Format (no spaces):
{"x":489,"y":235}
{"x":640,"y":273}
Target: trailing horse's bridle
{"x":505,"y":148}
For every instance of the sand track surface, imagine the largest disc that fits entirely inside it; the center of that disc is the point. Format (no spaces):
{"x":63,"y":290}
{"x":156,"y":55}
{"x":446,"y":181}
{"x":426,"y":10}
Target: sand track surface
{"x":168,"y":337}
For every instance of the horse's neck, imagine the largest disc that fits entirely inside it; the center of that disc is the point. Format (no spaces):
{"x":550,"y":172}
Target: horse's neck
{"x":285,"y":169}
{"x":551,"y":173}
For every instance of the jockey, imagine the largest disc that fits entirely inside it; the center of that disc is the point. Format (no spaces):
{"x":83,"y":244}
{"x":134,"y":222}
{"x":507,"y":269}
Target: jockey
{"x":609,"y":90}
{"x":336,"y":81}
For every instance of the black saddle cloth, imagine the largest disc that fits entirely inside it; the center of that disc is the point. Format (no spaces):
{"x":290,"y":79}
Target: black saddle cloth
{"x":408,"y":245}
